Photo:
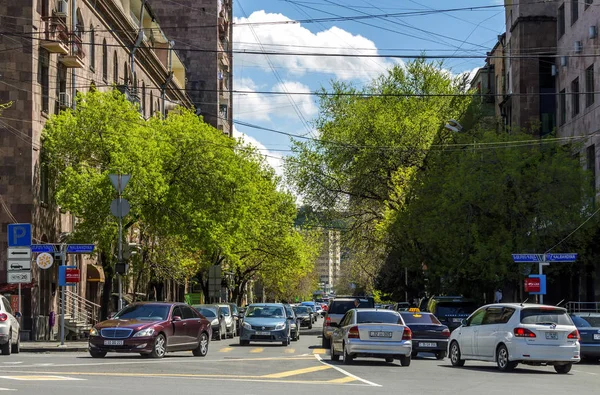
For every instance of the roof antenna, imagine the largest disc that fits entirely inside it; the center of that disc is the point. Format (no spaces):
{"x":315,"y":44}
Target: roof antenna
{"x":523,"y":302}
{"x":559,"y":303}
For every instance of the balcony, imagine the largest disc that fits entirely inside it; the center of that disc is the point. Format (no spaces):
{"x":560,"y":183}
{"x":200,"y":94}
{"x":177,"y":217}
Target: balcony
{"x":74,"y":60}
{"x":56,"y":39}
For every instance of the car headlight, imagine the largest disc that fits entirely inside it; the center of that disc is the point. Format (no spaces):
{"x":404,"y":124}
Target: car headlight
{"x":215,"y":322}
{"x":94,"y":332}
{"x":280,"y":326}
{"x":246,"y":325}
{"x":145,"y":332}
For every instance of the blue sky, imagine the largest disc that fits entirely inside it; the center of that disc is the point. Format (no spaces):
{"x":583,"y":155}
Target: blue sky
{"x":468,"y":32}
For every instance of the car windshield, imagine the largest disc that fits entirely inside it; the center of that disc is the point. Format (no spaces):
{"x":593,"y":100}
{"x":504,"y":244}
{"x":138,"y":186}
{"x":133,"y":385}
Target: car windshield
{"x":225,"y":311}
{"x":542,"y":316}
{"x":586,"y":321}
{"x":341,"y":306}
{"x":289,"y":311}
{"x":149,"y":312}
{"x":420,"y":318}
{"x":454,"y":308}
{"x":208,"y":313}
{"x":265,"y":312}
{"x":378,"y":317}
{"x":301,"y":310}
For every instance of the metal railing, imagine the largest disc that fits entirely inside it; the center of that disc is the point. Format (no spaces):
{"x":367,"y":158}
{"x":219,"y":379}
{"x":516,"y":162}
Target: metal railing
{"x":583,"y":307}
{"x":80,"y":309}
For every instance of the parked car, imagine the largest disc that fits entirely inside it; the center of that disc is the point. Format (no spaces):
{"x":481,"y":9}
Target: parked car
{"x":213,"y":313}
{"x":229,"y":320}
{"x":235,"y":313}
{"x":293,"y":322}
{"x":304,"y":315}
{"x":451,"y":310}
{"x":428,"y":333}
{"x":371,"y":333}
{"x":509,"y":334}
{"x":9,"y":328}
{"x":152,"y":329}
{"x":402,"y":306}
{"x":337,"y":308}
{"x":588,"y":325}
{"x":265,"y":322}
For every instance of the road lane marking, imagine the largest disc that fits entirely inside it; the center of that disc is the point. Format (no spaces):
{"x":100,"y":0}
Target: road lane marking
{"x":12,"y":363}
{"x":289,"y":351}
{"x":7,"y":389}
{"x":320,"y":351}
{"x":346,"y":373}
{"x":296,"y":372}
{"x":226,"y":349}
{"x":257,"y":350}
{"x":40,"y":378}
{"x":343,"y":380}
{"x":583,"y":371}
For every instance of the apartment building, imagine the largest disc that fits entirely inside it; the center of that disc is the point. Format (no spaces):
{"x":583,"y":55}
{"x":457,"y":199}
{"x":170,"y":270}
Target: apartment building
{"x":329,"y":261}
{"x":202,"y":32}
{"x":52,"y":49}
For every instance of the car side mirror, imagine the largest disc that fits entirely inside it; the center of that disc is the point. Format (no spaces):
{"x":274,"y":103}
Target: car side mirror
{"x":18,"y":315}
{"x":464,"y":323}
{"x":176,"y":318}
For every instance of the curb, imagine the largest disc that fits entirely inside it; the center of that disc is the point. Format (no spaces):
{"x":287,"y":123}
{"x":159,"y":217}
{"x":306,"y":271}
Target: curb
{"x":53,"y":349}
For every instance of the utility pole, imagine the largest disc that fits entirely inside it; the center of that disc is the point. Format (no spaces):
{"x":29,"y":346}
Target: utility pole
{"x":63,"y":262}
{"x":120,"y":208}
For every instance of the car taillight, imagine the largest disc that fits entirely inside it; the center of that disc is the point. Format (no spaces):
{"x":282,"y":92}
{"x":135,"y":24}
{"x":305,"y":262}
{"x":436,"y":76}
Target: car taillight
{"x":446,"y":332}
{"x":574,"y":335}
{"x":523,"y":332}
{"x":353,"y":333}
{"x":327,"y":321}
{"x":407,"y":334}
{"x":3,"y":317}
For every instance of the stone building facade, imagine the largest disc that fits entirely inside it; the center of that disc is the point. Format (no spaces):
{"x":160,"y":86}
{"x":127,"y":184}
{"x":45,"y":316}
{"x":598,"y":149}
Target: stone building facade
{"x":53,"y":49}
{"x":202,"y":33}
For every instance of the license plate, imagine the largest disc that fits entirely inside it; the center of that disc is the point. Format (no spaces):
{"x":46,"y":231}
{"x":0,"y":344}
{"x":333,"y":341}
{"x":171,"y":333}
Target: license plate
{"x":428,"y":345}
{"x":551,"y":335}
{"x":263,"y":333}
{"x":597,"y":337}
{"x":113,"y":342}
{"x":457,"y":319}
{"x":380,"y":334}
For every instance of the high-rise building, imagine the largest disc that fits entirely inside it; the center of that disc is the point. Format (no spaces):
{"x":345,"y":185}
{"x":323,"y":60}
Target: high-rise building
{"x":202,"y":34}
{"x":328,"y":262}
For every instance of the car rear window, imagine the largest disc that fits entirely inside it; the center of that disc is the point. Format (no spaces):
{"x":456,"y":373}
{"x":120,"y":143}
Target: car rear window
{"x":454,"y":308}
{"x":378,"y":317}
{"x":301,"y":310}
{"x":419,"y":318}
{"x":208,"y":313}
{"x":545,"y":316}
{"x":586,"y":322}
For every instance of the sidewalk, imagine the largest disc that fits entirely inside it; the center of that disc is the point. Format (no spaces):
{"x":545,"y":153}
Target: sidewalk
{"x":69,"y":346}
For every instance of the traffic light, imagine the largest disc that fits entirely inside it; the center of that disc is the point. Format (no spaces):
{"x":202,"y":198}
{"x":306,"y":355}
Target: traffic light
{"x":121,"y":268}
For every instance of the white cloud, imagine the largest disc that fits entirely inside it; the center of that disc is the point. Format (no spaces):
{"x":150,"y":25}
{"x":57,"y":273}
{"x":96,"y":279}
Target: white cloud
{"x":275,"y":160}
{"x":294,"y":38}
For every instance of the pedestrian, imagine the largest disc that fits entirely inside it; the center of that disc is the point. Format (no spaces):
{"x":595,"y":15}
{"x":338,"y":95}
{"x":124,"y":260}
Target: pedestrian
{"x":498,"y":296}
{"x":356,"y":303}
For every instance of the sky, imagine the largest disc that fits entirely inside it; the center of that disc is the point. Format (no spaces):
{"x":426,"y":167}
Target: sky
{"x":466,"y":32}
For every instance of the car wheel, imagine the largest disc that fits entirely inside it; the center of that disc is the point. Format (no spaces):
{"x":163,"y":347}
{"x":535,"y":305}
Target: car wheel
{"x":334,"y":355}
{"x":440,"y":355}
{"x":563,"y":369}
{"x":202,"y":348}
{"x":455,"y":355}
{"x":405,"y":360}
{"x":160,"y":347}
{"x":7,"y":347}
{"x":97,"y":354}
{"x":244,"y":342}
{"x":348,"y":359}
{"x":16,"y":347}
{"x":325,"y":342}
{"x":502,"y":359}
{"x":389,"y":360}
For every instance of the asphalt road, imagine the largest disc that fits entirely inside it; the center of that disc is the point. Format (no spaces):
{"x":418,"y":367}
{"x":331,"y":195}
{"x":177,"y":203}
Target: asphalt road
{"x":273,"y":369}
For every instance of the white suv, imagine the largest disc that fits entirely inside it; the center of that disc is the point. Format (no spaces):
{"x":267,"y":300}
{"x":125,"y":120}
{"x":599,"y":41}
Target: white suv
{"x":509,"y":334}
{"x":9,"y":328}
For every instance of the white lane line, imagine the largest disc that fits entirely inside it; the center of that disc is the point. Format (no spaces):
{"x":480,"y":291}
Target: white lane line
{"x":41,"y":378}
{"x":7,"y":389}
{"x":12,"y":363}
{"x":583,"y":371}
{"x":346,"y":373}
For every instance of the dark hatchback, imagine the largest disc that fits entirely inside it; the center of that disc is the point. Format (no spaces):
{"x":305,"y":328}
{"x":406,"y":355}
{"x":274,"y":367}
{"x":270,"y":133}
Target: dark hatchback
{"x":428,"y":333}
{"x":588,"y":325}
{"x":152,"y":329}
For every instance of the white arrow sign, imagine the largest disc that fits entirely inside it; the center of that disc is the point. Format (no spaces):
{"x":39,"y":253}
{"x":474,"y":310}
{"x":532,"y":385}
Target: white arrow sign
{"x":19,"y":253}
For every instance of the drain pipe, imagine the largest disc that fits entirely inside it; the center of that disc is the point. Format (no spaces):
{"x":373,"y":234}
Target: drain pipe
{"x":169,"y":77}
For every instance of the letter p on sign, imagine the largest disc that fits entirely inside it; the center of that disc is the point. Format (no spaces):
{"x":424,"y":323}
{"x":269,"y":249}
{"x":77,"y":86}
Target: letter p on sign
{"x":19,"y":235}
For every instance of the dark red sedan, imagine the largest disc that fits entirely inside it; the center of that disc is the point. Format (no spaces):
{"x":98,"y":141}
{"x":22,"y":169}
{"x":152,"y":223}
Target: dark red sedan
{"x":152,"y":329}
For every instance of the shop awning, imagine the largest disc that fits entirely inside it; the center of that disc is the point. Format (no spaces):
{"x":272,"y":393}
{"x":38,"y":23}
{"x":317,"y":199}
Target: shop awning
{"x":95,"y":273}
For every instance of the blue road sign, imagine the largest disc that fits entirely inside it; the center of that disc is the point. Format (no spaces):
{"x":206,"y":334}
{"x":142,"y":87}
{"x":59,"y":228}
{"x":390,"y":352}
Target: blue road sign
{"x":80,"y":248}
{"x":39,"y":248}
{"x":571,"y":257}
{"x":528,"y":258}
{"x":19,"y":235}
{"x":62,"y":276}
{"x":542,"y":278}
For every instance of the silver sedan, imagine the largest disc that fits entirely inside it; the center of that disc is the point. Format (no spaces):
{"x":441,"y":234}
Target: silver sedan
{"x":371,"y":333}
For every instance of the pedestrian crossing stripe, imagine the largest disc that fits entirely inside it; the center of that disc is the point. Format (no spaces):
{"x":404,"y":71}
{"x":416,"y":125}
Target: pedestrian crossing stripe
{"x":257,"y":350}
{"x":343,"y":380}
{"x":320,"y":351}
{"x":40,"y":378}
{"x":226,"y":349}
{"x":296,"y":372}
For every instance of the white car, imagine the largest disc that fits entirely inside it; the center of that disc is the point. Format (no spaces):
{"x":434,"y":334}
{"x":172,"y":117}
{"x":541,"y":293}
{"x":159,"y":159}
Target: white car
{"x":9,"y":329}
{"x":229,"y":320}
{"x":509,"y":334}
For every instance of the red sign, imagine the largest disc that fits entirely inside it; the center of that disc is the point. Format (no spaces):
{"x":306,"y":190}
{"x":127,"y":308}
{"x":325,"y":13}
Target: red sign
{"x":532,"y":285}
{"x":72,"y":275}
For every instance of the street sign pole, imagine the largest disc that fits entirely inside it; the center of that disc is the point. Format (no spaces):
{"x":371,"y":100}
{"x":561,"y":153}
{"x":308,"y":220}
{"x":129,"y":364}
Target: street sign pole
{"x":62,"y":298}
{"x":119,"y":182}
{"x":541,"y":272}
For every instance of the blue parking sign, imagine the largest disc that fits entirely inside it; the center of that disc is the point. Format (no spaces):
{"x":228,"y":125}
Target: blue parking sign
{"x":19,"y":235}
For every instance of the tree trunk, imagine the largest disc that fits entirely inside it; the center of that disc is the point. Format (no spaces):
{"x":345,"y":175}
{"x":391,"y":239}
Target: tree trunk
{"x":204,"y":286}
{"x":106,"y":308}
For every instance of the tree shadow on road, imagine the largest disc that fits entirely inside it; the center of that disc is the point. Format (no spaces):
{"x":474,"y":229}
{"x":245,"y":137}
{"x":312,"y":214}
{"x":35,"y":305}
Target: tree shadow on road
{"x":494,"y":369}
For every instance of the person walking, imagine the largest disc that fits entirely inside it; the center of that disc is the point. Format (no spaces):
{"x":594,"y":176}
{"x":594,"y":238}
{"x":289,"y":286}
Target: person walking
{"x":498,"y":296}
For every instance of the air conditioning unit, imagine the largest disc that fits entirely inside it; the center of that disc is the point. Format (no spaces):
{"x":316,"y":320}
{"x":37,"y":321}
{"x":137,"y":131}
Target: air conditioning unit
{"x":64,"y":99}
{"x":593,"y":32}
{"x":578,"y":46}
{"x":554,"y":70}
{"x":563,"y":61}
{"x":62,"y":8}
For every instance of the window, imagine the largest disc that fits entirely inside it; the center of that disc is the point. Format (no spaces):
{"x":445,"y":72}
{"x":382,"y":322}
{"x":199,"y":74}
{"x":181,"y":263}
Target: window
{"x":574,"y":11}
{"x":378,"y":317}
{"x":589,"y":86}
{"x":543,"y":316}
{"x":44,"y":79}
{"x":575,"y":97}
{"x":561,"y":21}
{"x":562,"y":107}
{"x":477,"y":318}
{"x":115,"y":68}
{"x":588,"y":3}
{"x":151,"y":103}
{"x":188,"y":313}
{"x":177,"y":312}
{"x":125,"y":73}
{"x":92,"y":48}
{"x":104,"y":61}
{"x":143,"y":103}
{"x":493,"y":315}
